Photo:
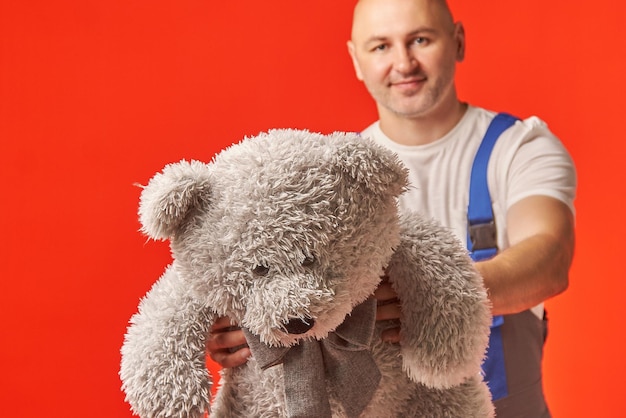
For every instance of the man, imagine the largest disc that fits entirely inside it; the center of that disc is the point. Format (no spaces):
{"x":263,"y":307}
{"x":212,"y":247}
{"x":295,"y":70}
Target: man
{"x":405,"y":52}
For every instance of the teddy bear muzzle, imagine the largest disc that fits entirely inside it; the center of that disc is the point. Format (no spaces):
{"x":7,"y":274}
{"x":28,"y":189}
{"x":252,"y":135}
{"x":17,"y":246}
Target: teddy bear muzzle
{"x":299,"y":325}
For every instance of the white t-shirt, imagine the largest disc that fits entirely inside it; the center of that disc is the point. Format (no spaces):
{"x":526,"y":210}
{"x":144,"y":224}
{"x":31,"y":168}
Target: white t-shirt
{"x":527,"y":160}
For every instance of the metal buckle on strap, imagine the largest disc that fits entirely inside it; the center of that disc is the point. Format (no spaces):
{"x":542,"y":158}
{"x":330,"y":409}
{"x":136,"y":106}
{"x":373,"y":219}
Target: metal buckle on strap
{"x":483,"y":236}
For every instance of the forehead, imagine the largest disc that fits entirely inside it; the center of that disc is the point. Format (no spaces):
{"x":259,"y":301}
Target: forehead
{"x":391,"y":18}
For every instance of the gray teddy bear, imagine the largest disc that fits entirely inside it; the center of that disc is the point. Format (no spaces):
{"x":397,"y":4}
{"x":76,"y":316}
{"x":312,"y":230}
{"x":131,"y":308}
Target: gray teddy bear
{"x":288,"y":233}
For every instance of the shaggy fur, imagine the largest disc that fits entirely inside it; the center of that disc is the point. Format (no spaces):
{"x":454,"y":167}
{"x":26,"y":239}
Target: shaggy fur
{"x":296,"y":225}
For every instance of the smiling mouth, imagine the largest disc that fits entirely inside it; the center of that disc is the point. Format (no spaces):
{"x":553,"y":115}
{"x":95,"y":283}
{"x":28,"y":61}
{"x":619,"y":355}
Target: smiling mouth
{"x":409,"y":82}
{"x":408,"y":87}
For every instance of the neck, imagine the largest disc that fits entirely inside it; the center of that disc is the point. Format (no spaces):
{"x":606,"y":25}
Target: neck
{"x":421,"y":129}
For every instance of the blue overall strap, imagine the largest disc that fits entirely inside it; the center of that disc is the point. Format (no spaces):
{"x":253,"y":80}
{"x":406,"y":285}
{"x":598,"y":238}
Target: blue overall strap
{"x":482,"y":244}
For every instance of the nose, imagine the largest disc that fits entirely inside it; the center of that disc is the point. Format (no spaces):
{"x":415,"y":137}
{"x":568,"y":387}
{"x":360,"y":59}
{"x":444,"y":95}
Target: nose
{"x":404,"y":60}
{"x":299,"y":326}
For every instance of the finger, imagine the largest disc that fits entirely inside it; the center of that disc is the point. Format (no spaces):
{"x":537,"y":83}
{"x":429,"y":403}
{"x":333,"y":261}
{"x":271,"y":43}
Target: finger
{"x":222,"y":323}
{"x":391,"y":335}
{"x":225,"y":340}
{"x":388,"y":311}
{"x":226,"y":359}
{"x":385,"y":292}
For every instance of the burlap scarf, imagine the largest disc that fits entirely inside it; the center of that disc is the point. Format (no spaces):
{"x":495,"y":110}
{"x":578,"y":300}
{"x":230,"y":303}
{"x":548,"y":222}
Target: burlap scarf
{"x":343,"y":361}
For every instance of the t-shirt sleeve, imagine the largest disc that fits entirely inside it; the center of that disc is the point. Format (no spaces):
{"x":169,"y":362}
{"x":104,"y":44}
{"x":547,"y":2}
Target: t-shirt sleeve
{"x":535,"y":163}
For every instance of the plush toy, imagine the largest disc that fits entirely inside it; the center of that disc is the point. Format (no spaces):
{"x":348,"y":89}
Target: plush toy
{"x":289,"y":233}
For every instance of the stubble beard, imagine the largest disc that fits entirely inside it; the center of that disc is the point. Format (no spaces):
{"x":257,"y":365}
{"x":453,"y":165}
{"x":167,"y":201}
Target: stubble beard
{"x":409,"y":105}
{"x":413,"y":105}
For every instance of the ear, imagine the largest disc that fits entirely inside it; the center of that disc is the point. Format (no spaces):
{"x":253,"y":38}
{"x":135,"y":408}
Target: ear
{"x":459,"y":36}
{"x":169,"y":196}
{"x":355,"y":61}
{"x":375,"y":167}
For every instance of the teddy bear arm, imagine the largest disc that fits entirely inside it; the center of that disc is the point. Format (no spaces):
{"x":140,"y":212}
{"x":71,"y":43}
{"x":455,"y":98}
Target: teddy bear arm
{"x":163,"y":367}
{"x":446,"y":314}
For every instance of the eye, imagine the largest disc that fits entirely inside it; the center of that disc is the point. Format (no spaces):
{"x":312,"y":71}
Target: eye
{"x":420,"y":40}
{"x":379,"y":48}
{"x":261,"y":270}
{"x":308,"y":261}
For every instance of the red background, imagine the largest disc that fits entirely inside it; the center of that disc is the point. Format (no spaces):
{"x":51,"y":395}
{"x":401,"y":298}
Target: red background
{"x":96,"y":96}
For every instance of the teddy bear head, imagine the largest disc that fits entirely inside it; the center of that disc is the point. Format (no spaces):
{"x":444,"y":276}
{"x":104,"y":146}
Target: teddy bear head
{"x":284,"y":232}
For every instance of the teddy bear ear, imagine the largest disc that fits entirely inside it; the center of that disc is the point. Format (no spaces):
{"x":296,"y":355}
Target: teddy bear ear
{"x":377,"y":168}
{"x":169,"y":196}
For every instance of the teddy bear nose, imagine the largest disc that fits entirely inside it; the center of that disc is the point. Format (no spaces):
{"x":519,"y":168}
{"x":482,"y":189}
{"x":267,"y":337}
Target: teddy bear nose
{"x":299,"y":326}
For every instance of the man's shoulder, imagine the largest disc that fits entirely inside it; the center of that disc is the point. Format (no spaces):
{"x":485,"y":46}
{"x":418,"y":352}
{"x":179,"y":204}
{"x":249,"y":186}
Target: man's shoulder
{"x":523,"y":130}
{"x":369,"y":132}
{"x":487,"y":115}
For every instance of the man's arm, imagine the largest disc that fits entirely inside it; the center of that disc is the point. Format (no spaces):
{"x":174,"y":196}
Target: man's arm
{"x":536,"y":265}
{"x":533,"y":269}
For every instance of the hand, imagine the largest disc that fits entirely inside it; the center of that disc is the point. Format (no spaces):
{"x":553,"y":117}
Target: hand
{"x":388,"y":308}
{"x":226,"y":344}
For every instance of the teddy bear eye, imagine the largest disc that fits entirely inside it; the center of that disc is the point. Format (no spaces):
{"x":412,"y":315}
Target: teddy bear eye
{"x":261,"y":270}
{"x":308,"y":261}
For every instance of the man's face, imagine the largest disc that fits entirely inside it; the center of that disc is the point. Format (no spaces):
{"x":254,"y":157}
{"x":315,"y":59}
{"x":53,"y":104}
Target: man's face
{"x":405,"y":51}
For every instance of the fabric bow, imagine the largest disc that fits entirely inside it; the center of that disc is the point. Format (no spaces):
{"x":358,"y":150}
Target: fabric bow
{"x":343,"y":360}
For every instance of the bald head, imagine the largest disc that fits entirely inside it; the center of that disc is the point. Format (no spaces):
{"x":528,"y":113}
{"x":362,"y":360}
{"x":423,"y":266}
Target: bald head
{"x":368,"y":12}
